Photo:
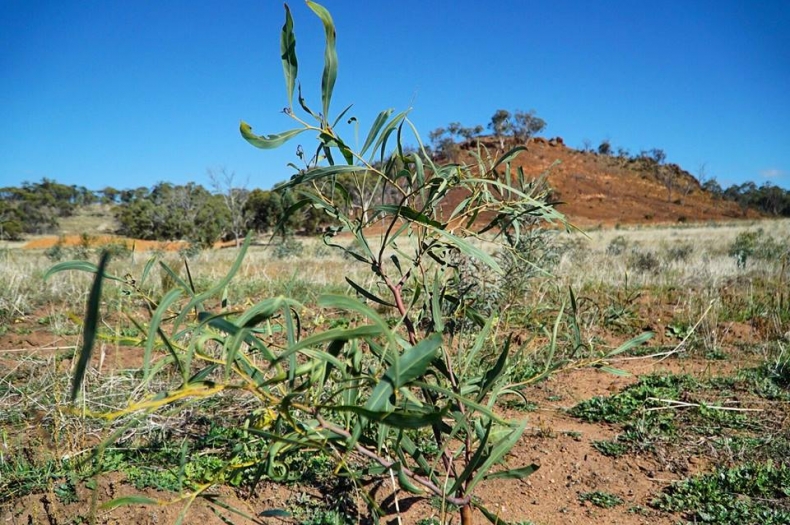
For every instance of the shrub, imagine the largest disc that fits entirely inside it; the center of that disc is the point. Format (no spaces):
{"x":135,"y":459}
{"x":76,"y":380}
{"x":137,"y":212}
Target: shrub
{"x":370,"y":392}
{"x":617,"y":246}
{"x":644,"y":261}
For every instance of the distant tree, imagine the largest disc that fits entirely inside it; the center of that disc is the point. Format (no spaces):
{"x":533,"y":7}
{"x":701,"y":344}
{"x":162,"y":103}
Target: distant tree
{"x":501,"y":125}
{"x":586,"y":145}
{"x":170,"y":212}
{"x":526,"y":124}
{"x":235,"y":199}
{"x":667,"y":177}
{"x":264,"y":209}
{"x":444,"y":145}
{"x":109,"y":195}
{"x":35,"y":208}
{"x":713,"y":187}
{"x":605,"y":147}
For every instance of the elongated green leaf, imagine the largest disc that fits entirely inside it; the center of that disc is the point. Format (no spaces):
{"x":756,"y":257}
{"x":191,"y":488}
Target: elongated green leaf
{"x":474,"y":405}
{"x":469,"y":249}
{"x":330,"y":56}
{"x":176,"y":278}
{"x":392,"y":125}
{"x":268,"y":141}
{"x":381,"y":119}
{"x":516,"y":473}
{"x":631,"y":343}
{"x":490,"y":516}
{"x":274,"y":513}
{"x":128,"y":500}
{"x":402,"y":419}
{"x":495,"y":372}
{"x":83,"y":266}
{"x":351,"y":304}
{"x":196,"y":300}
{"x":367,"y":294}
{"x":153,"y":328}
{"x":334,"y":334}
{"x":614,"y":371}
{"x":477,"y":458}
{"x":408,"y":213}
{"x":89,"y":328}
{"x":223,"y":325}
{"x":508,"y":156}
{"x":342,"y":114}
{"x":202,"y":374}
{"x":502,"y":447}
{"x":416,"y":360}
{"x":404,"y":369}
{"x":288,"y":55}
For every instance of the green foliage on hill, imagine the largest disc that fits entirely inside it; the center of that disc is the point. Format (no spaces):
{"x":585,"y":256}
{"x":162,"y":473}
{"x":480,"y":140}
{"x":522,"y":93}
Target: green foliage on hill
{"x":34,"y":208}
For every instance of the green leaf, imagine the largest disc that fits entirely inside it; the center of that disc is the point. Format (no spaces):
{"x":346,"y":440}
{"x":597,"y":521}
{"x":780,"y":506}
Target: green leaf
{"x":320,"y":173}
{"x":367,"y":294}
{"x":631,"y":343}
{"x":196,"y":300}
{"x":490,"y":516}
{"x":89,"y":328}
{"x":470,"y":250}
{"x":495,"y":372}
{"x":474,"y":462}
{"x":401,"y":419}
{"x":614,"y":371}
{"x":334,"y":334}
{"x":153,"y":328}
{"x":381,"y":119}
{"x":268,"y":141}
{"x":508,"y":156}
{"x":128,"y":500}
{"x":408,"y":213}
{"x":330,"y":56}
{"x":404,"y":369}
{"x":288,"y":54}
{"x":274,"y":513}
{"x":415,"y":361}
{"x":516,"y":473}
{"x":83,"y":266}
{"x":502,"y":447}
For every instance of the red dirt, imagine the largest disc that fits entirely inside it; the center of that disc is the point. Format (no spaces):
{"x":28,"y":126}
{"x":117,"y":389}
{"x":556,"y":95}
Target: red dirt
{"x":136,"y":245}
{"x":603,"y":190}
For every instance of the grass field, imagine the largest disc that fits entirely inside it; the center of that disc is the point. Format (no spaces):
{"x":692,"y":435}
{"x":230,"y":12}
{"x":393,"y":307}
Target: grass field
{"x":690,"y":427}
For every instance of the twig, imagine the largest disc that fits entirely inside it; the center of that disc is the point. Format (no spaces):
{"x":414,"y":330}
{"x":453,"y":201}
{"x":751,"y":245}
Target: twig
{"x":682,"y":404}
{"x":31,"y":348}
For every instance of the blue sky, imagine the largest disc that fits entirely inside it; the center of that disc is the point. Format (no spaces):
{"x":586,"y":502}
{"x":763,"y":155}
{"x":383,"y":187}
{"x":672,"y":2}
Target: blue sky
{"x":130,"y":93}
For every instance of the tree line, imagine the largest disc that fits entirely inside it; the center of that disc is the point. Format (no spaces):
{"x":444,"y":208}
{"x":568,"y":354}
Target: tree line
{"x":227,"y":211}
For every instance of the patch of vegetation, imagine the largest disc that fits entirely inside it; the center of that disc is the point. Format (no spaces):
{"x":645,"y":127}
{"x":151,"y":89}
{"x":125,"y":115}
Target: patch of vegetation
{"x":622,"y":407}
{"x":750,"y":493}
{"x":613,"y":449}
{"x":605,"y":500}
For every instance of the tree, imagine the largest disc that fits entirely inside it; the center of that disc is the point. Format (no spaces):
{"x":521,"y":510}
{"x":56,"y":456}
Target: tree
{"x":264,"y":209}
{"x":526,"y":124}
{"x":668,"y":177}
{"x":501,"y":125}
{"x":443,"y":144}
{"x":235,"y":199}
{"x":605,"y":147}
{"x":170,"y":212}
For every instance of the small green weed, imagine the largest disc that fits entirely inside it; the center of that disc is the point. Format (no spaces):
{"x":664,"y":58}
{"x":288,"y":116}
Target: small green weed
{"x":750,"y":493}
{"x":612,"y":449}
{"x":605,"y":500}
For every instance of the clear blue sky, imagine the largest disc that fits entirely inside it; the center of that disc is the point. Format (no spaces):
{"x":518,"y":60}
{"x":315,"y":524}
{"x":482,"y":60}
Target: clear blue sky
{"x":130,"y":93}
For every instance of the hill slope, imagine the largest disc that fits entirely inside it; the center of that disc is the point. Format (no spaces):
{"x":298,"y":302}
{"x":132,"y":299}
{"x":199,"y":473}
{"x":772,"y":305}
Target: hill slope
{"x":607,"y":190}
